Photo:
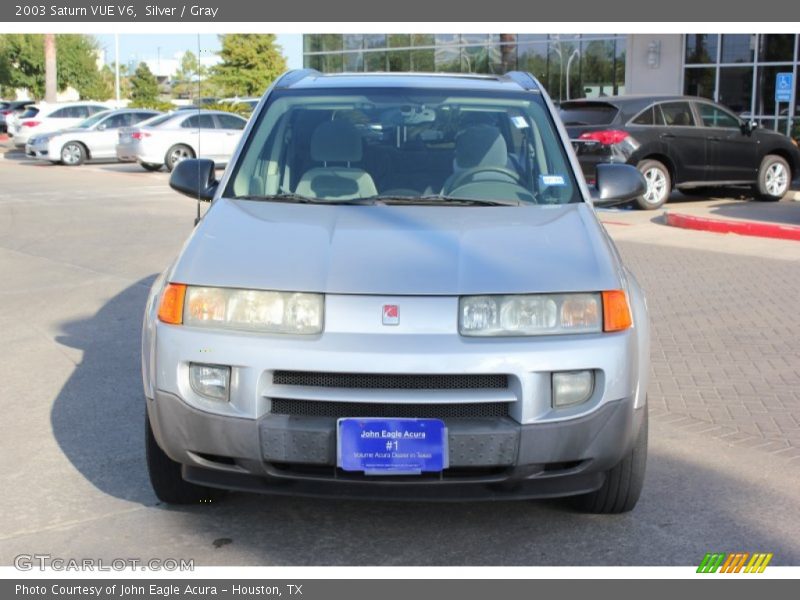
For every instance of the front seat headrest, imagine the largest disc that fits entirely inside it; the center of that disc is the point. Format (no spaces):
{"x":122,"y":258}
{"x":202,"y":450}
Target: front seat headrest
{"x":336,"y":141}
{"x":481,"y":146}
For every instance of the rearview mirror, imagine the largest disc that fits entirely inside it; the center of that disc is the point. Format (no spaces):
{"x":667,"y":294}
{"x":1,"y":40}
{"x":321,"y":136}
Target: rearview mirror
{"x":616,"y":184}
{"x":195,"y":178}
{"x":749,"y":126}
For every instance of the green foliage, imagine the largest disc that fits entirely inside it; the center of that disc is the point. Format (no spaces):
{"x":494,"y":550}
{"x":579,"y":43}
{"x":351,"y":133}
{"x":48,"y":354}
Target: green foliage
{"x":144,"y":86}
{"x":250,"y":62}
{"x":22,"y":63}
{"x":237,"y":108}
{"x":101,"y":87}
{"x":152,"y":104}
{"x":188,"y":77}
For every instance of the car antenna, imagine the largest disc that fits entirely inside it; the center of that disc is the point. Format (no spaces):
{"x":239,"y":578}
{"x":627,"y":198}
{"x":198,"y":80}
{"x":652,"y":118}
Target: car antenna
{"x":199,"y":129}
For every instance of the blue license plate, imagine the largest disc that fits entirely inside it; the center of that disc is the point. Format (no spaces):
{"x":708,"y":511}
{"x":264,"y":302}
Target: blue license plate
{"x":392,"y":446}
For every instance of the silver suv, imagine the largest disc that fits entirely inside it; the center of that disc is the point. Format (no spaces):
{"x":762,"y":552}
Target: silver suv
{"x":400,"y":290}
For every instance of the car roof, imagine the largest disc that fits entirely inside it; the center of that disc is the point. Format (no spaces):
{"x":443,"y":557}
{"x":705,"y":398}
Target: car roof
{"x":311,"y":79}
{"x":635,"y":99}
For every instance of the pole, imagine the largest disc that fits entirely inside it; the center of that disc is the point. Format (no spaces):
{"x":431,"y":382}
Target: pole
{"x":50,"y":74}
{"x":116,"y":69}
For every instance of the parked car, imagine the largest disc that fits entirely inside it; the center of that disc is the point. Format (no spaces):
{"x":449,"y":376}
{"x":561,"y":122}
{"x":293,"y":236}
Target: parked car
{"x":8,"y":108}
{"x":13,"y":119}
{"x":400,"y":289}
{"x":183,"y":134}
{"x":681,"y":142}
{"x":93,"y":139}
{"x":44,"y":118}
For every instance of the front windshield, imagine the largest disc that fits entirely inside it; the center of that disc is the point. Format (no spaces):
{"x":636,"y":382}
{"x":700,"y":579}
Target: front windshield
{"x":93,"y":120}
{"x":399,"y":145}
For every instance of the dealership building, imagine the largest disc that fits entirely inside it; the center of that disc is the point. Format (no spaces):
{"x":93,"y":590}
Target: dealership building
{"x":754,"y":74}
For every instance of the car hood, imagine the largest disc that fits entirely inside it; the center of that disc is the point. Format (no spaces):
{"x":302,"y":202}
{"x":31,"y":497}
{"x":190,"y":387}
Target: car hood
{"x":398,"y":250}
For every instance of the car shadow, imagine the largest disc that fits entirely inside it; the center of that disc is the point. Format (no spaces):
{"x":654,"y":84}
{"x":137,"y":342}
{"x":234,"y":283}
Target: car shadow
{"x":688,"y":508}
{"x":785,"y":212}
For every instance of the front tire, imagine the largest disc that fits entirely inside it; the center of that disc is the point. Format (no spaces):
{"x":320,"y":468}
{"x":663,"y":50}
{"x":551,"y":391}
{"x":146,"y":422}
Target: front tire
{"x":176,"y":154}
{"x":623,"y":484}
{"x":659,"y":184}
{"x":73,"y":154}
{"x":151,"y":166}
{"x":774,"y":176}
{"x":165,"y":476}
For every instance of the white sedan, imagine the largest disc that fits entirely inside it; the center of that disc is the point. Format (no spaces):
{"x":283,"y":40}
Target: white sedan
{"x":93,"y":139}
{"x":169,"y":139}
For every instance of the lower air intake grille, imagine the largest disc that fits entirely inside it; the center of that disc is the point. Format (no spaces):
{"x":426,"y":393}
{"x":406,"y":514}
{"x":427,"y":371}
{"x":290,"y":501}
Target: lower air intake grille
{"x":306,"y":408}
{"x":379,"y":381}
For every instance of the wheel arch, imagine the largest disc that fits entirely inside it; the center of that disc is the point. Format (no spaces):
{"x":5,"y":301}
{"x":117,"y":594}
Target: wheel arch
{"x":660,"y":157}
{"x":785,"y":155}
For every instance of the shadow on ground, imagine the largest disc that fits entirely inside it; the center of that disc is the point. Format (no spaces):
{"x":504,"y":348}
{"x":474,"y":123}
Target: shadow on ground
{"x":689,"y":507}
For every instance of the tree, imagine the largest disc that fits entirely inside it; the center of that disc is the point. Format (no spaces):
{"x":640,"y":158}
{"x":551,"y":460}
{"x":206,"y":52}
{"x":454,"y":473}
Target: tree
{"x":144,"y":87}
{"x":102,"y":86}
{"x":250,"y":62}
{"x":22,"y":62}
{"x":188,"y":76}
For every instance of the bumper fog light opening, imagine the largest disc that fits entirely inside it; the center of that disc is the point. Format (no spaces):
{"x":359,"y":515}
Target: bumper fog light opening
{"x":571,"y":388}
{"x":210,"y":381}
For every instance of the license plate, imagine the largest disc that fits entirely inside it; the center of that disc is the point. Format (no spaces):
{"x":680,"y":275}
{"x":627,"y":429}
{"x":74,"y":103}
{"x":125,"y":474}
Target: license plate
{"x":392,"y":446}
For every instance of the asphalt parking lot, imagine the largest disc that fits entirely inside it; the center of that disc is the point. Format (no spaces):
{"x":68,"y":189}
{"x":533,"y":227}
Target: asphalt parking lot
{"x":78,"y":250}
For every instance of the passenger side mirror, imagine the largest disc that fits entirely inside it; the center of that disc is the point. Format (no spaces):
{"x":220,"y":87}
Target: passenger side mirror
{"x":616,"y":184}
{"x":195,"y":178}
{"x":102,"y":127}
{"x":749,"y":126}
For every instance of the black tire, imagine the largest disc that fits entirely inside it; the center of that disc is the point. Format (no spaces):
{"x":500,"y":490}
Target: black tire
{"x":73,"y":154}
{"x":177,"y":153}
{"x":151,"y":166}
{"x":165,"y":476}
{"x":774,"y":178}
{"x":623,"y":483}
{"x":659,"y":184}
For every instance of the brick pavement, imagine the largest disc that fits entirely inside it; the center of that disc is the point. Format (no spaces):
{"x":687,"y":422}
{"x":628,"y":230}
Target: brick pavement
{"x":725,"y":344}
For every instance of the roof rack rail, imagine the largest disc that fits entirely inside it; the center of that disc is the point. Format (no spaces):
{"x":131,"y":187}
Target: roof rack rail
{"x":524,"y":80}
{"x":293,"y":76}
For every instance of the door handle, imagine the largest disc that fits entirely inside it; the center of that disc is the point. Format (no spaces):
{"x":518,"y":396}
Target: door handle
{"x":714,"y":139}
{"x":667,"y":135}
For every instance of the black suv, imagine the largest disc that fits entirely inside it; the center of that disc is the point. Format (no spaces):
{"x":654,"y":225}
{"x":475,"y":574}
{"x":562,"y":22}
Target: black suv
{"x":681,"y":142}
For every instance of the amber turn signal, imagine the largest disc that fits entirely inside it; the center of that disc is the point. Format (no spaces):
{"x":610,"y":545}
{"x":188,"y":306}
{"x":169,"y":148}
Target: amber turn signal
{"x":171,"y":308}
{"x":616,"y":312}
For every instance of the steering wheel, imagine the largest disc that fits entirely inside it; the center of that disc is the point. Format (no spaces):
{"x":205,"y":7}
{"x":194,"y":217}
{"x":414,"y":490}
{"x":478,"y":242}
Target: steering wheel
{"x":460,"y":179}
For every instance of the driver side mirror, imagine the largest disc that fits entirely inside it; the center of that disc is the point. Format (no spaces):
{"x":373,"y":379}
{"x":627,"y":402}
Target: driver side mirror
{"x":616,"y":184}
{"x":749,"y":126}
{"x":102,"y":127}
{"x":195,"y":177}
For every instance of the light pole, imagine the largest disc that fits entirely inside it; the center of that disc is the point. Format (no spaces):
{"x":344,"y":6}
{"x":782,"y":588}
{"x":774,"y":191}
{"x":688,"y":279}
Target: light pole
{"x":575,"y":53}
{"x":116,"y":68}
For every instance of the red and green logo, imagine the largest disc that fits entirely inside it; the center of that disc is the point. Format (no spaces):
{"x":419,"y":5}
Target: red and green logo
{"x":734,"y":562}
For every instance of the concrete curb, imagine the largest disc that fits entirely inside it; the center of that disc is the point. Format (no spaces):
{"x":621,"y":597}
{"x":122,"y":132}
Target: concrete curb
{"x":751,"y":228}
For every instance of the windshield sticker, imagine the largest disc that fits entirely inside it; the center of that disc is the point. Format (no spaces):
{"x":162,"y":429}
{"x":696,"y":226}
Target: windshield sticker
{"x":552,"y":180}
{"x":519,"y":121}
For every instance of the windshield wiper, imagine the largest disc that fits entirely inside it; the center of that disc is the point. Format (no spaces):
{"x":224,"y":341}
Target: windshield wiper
{"x":438,"y":199}
{"x":430,"y":200}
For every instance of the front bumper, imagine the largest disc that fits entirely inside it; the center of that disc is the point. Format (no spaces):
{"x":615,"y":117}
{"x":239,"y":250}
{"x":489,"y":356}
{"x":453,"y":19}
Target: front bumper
{"x":489,"y":458}
{"x":39,"y":150}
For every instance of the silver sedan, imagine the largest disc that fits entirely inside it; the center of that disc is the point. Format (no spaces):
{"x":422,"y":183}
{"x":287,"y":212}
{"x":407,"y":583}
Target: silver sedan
{"x":93,"y":139}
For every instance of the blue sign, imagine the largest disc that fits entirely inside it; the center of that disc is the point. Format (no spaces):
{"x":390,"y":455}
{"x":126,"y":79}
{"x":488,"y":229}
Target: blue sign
{"x":783,"y":87}
{"x":392,"y":446}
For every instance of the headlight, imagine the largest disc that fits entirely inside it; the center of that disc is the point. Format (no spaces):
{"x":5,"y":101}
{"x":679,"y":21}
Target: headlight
{"x":253,"y":310}
{"x":534,"y":314}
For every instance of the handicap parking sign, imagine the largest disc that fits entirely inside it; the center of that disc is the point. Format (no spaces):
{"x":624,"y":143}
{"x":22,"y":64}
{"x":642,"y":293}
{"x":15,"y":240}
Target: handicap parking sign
{"x":783,"y":87}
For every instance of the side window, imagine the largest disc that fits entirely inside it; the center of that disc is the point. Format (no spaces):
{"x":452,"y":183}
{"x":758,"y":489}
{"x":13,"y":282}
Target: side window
{"x":116,"y":121}
{"x":677,"y":114}
{"x":80,"y":112}
{"x":140,"y":116}
{"x":62,"y":113}
{"x":207,"y":122}
{"x":715,"y":117}
{"x":230,"y":122}
{"x":92,"y":109}
{"x":192,"y":122}
{"x":645,"y":117}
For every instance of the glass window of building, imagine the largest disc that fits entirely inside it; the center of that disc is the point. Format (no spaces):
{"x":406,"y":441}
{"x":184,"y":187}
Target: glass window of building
{"x":776,"y":47}
{"x":701,"y":48}
{"x":736,"y":88}
{"x":738,"y":48}
{"x":700,"y":82}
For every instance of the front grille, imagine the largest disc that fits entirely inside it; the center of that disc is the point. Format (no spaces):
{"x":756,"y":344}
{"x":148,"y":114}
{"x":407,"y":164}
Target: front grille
{"x":377,"y":381}
{"x":315,"y":408}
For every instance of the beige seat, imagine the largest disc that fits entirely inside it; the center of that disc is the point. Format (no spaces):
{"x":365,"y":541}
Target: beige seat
{"x":336,"y":142}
